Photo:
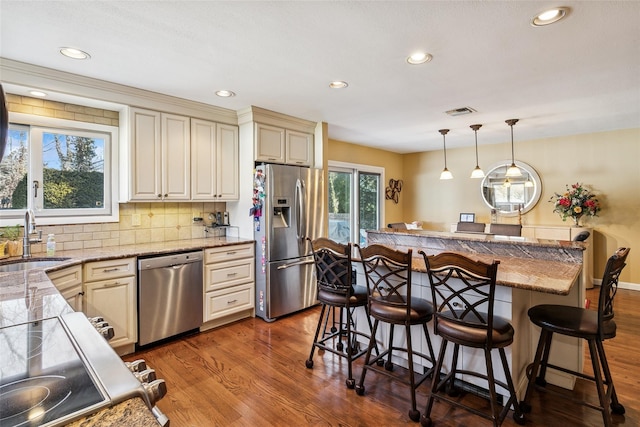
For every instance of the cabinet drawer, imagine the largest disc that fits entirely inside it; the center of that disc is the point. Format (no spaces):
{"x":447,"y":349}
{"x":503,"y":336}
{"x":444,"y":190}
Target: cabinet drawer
{"x":103,"y":270}
{"x":224,"y":274}
{"x":227,"y":301}
{"x":66,"y":278}
{"x":227,"y":253}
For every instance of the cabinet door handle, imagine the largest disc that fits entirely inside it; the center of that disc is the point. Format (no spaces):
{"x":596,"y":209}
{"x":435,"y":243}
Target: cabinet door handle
{"x":233,"y":301}
{"x":111,"y":285}
{"x":231,"y":274}
{"x":109,"y":270}
{"x":231,"y":253}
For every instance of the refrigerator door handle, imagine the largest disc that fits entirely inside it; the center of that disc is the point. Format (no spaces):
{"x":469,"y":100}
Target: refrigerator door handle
{"x":293,"y":264}
{"x":300,"y":210}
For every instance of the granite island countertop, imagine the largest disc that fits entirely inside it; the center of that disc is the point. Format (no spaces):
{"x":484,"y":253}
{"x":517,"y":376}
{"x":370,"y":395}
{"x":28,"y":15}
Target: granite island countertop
{"x":541,"y":265}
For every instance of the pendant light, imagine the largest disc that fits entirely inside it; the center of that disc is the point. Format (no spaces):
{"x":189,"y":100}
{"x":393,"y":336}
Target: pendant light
{"x":445,"y":174}
{"x":477,"y":172}
{"x":528,"y":183}
{"x":513,"y":170}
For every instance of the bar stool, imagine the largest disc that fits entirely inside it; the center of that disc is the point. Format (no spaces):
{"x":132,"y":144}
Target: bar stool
{"x":594,"y":326}
{"x":390,"y":301}
{"x":335,"y":291}
{"x":463,"y":293}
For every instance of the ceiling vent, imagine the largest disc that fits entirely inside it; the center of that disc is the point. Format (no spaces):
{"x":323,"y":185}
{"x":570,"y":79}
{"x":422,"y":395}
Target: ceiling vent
{"x":460,"y":111}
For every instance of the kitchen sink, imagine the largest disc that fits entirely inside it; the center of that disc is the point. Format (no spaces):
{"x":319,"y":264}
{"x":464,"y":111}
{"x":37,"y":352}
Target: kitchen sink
{"x":28,"y":264}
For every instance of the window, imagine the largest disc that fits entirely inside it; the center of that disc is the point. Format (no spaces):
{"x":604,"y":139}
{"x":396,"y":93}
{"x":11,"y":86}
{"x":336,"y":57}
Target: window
{"x":355,"y":195}
{"x":60,"y":169}
{"x":508,"y":197}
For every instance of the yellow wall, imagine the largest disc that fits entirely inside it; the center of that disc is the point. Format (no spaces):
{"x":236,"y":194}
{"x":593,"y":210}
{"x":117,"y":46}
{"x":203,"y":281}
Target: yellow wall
{"x":608,"y":162}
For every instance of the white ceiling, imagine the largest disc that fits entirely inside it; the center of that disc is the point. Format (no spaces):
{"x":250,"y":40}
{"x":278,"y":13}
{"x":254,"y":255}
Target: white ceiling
{"x":580,"y":75}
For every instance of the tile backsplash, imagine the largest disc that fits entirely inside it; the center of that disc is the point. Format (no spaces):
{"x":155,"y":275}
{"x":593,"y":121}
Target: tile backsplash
{"x":159,"y":222}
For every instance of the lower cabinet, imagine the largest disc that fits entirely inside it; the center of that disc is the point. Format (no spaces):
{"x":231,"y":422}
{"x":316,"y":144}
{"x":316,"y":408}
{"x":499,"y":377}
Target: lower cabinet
{"x":68,"y":282}
{"x":110,"y":291}
{"x":229,"y":284}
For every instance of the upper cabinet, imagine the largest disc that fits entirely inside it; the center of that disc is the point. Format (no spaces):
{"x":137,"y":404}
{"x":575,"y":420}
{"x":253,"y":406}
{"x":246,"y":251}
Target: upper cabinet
{"x":278,"y":138}
{"x":298,"y":148}
{"x":214,"y":161}
{"x":269,"y":143}
{"x":171,"y":157}
{"x":278,"y":145}
{"x":159,"y":156}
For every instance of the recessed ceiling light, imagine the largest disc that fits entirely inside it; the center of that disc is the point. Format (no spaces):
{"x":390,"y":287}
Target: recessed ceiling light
{"x":73,"y":53}
{"x":37,"y":93}
{"x":225,"y":93}
{"x":338,"y":84}
{"x":419,"y":58}
{"x":549,"y":16}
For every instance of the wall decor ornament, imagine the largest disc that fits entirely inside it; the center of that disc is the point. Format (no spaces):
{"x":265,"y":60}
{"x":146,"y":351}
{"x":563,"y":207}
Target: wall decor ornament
{"x":575,"y":202}
{"x":392,"y":192}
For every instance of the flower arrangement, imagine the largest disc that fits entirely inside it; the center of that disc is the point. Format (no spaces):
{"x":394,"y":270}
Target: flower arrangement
{"x":575,"y":202}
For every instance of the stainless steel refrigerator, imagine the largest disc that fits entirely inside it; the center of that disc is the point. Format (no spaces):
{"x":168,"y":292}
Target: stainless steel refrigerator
{"x":289,"y":209}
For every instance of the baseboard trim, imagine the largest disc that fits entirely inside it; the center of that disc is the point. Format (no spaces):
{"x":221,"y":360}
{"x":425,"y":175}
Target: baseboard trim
{"x":622,"y":285}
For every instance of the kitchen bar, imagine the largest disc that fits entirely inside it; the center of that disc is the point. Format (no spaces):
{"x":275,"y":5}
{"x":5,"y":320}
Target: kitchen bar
{"x":531,"y":271}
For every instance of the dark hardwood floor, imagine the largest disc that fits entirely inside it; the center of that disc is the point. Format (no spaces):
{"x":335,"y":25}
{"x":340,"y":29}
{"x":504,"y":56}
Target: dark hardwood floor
{"x":252,"y":373}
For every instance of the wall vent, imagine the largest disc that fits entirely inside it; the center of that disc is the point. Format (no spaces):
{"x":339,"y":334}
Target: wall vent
{"x":460,"y":111}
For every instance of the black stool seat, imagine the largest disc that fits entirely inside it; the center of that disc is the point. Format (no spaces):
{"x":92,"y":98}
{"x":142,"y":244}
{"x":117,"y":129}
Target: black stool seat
{"x":572,"y":321}
{"x":357,"y":297}
{"x":594,"y":326}
{"x":475,"y":336}
{"x":421,"y":311}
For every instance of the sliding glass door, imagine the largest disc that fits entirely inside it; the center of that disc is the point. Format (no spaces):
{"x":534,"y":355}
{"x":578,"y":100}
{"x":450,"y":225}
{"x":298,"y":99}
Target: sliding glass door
{"x":355,"y":205}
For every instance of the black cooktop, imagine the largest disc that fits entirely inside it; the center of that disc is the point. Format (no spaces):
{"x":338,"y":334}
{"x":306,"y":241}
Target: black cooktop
{"x":42,"y":375}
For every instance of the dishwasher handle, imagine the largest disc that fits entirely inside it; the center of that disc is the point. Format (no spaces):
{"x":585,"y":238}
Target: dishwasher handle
{"x":170,"y":260}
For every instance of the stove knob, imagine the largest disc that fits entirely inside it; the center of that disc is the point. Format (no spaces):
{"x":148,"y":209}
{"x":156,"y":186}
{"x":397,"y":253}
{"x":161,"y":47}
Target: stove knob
{"x":146,"y":376}
{"x":95,"y":320}
{"x":156,"y":390}
{"x":136,"y":365}
{"x":107,"y":332}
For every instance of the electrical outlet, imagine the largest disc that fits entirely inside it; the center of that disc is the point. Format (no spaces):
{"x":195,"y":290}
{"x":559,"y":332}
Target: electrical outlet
{"x":135,"y":220}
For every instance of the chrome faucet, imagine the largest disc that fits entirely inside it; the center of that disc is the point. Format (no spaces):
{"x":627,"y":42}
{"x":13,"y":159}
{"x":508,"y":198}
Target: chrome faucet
{"x":29,"y":230}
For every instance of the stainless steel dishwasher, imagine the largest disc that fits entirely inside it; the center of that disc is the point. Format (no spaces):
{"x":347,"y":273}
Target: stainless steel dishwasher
{"x":169,"y":295}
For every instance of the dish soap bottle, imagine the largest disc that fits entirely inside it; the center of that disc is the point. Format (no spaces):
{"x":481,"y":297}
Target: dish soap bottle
{"x":51,"y":245}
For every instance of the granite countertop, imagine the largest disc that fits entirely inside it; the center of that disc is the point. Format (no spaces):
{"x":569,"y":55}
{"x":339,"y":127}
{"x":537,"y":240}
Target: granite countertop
{"x":551,"y":277}
{"x":80,"y":256}
{"x":130,"y":413}
{"x":29,"y":295}
{"x":541,"y":265}
{"x":479,"y":238}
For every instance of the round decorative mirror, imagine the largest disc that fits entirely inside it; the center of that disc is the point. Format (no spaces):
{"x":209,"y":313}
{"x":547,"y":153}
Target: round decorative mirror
{"x":509,"y":194}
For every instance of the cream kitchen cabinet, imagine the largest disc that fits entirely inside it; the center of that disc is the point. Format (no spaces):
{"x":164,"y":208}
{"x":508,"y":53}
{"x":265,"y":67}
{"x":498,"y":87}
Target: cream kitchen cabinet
{"x":68,"y":282}
{"x":159,"y":156}
{"x":229,"y":284}
{"x":110,"y":291}
{"x":214,"y":161}
{"x":278,"y":145}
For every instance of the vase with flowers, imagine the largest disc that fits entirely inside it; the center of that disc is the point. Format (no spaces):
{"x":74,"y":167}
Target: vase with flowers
{"x":575,"y":202}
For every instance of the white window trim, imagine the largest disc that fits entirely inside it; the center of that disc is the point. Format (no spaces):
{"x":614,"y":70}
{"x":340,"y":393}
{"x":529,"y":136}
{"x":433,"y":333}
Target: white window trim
{"x":28,"y":119}
{"x":363,"y":168}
